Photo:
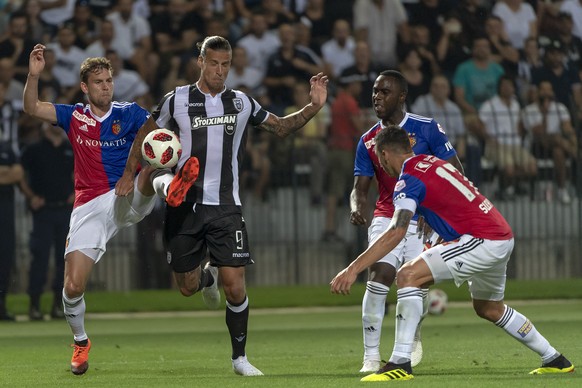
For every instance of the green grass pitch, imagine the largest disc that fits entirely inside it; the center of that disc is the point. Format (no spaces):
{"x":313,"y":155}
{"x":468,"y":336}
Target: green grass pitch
{"x":294,"y":347}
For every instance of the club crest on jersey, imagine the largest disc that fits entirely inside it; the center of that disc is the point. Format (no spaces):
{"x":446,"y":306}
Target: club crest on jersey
{"x":116,"y":127}
{"x":412,"y":139}
{"x":238,"y":103}
{"x":422,"y":166}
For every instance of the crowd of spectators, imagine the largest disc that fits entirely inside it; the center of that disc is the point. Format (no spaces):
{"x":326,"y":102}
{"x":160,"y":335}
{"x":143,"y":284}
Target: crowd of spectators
{"x":478,"y":66}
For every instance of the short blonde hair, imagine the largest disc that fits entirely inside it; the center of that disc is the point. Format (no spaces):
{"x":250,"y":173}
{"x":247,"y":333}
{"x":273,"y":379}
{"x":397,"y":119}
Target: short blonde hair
{"x":93,"y":65}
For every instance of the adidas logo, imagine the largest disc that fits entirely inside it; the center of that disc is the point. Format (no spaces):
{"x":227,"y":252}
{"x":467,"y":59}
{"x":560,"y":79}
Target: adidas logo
{"x":370,"y":329}
{"x":400,"y":317}
{"x":84,"y":128}
{"x":459,"y":264}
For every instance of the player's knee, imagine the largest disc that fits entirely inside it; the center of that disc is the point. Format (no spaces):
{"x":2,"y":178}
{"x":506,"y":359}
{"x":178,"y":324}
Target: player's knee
{"x":234,"y":294}
{"x":383,"y":273}
{"x":73,"y":289}
{"x":405,"y":277}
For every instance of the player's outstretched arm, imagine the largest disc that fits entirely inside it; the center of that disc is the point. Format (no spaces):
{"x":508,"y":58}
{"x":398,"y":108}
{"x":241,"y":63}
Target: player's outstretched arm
{"x":284,"y":126}
{"x":359,"y":200}
{"x":396,"y":231}
{"x":124,"y":185}
{"x":41,"y":110}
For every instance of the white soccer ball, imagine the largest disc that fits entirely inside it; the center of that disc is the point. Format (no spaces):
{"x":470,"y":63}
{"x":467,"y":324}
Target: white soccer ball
{"x":161,"y":148}
{"x":437,"y":301}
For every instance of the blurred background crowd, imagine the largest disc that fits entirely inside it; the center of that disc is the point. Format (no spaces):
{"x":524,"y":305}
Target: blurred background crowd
{"x":503,"y":78}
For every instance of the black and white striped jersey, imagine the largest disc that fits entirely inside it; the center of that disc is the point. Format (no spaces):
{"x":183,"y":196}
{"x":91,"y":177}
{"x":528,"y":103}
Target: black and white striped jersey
{"x":213,"y":129}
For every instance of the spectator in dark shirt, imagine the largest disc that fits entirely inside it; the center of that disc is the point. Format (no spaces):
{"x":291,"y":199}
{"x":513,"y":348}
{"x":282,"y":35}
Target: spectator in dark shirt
{"x":290,"y":64}
{"x":48,"y":188}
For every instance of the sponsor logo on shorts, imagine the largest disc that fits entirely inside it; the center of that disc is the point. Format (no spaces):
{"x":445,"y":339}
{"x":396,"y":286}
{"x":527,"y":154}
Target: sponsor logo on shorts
{"x":241,"y":255}
{"x":169,"y":257}
{"x":459,"y":264}
{"x":524,"y":329}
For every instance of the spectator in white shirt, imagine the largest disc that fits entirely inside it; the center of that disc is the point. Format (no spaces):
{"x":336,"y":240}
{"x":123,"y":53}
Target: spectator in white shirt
{"x":68,"y":61}
{"x":259,"y":43}
{"x":129,"y":86}
{"x":338,"y":52}
{"x":549,"y":123}
{"x":501,"y":117}
{"x":132,"y":39}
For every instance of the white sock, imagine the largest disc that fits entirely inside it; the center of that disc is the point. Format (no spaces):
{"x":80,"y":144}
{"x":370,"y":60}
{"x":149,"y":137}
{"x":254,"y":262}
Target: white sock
{"x":408,"y":313}
{"x":519,"y":327}
{"x":161,"y":180}
{"x":424,"y":302}
{"x":75,"y":314}
{"x":373,"y":306}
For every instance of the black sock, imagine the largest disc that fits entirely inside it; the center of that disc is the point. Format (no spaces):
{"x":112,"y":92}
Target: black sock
{"x":237,"y":319}
{"x":82,"y":343}
{"x":205,"y":280}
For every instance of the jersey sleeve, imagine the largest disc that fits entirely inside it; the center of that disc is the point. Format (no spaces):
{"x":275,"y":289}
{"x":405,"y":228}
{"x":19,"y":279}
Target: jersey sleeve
{"x":439,"y":143}
{"x":139,"y":115}
{"x":163,"y":112}
{"x":408,"y":193}
{"x":64,"y":115}
{"x":258,"y":114}
{"x":363,"y":164}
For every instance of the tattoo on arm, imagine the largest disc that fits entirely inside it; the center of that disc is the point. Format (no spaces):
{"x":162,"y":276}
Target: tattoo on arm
{"x":284,"y":126}
{"x":401,"y":219}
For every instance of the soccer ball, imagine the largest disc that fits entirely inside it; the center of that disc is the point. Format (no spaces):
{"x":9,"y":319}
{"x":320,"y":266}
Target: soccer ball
{"x":161,"y":148}
{"x":437,"y":301}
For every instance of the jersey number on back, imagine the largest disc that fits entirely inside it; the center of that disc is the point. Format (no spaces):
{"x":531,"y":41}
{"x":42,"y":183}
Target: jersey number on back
{"x":457,"y":184}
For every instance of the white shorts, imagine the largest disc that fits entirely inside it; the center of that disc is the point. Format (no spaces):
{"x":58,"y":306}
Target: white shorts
{"x":94,"y":223}
{"x":408,"y":249}
{"x":482,"y":263}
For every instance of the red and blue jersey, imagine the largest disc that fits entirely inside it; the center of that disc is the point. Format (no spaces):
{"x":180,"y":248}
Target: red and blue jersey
{"x":448,"y":201}
{"x":426,"y":137}
{"x":101,"y":145}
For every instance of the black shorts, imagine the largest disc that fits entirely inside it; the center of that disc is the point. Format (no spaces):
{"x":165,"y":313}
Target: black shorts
{"x":191,"y":231}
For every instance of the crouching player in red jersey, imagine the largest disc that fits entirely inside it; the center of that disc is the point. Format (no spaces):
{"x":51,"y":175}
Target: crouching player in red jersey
{"x":479,"y":242}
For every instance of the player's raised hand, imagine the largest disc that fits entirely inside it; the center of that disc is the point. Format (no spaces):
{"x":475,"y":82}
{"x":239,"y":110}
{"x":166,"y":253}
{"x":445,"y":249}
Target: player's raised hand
{"x":342,"y":282}
{"x":36,"y":61}
{"x":318,"y":93}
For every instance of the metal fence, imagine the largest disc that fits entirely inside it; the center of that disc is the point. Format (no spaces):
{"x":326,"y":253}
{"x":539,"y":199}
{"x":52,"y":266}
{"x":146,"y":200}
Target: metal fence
{"x":286,"y":227}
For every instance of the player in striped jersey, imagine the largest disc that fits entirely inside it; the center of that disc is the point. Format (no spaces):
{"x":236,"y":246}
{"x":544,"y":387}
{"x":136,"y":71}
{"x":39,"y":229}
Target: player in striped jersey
{"x":204,"y":214}
{"x":479,"y":242}
{"x":427,"y":137}
{"x":101,"y":134}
